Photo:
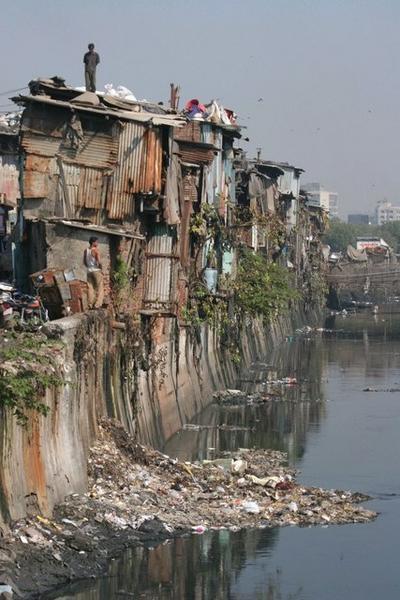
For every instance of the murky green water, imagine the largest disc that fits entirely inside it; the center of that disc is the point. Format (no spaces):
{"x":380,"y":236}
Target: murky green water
{"x":337,"y":435}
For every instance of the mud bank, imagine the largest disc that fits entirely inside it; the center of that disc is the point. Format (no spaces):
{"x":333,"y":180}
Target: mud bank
{"x":138,"y":495}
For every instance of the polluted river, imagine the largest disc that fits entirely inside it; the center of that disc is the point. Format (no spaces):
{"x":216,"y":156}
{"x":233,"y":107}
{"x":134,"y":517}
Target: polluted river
{"x":334,"y":409}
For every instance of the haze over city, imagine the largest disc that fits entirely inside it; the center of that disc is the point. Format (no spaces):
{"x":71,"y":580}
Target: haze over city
{"x":315,"y":83}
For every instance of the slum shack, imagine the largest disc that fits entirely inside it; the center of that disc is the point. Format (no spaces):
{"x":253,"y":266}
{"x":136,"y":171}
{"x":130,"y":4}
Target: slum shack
{"x":9,"y":190}
{"x":94,"y":165}
{"x":205,"y":147}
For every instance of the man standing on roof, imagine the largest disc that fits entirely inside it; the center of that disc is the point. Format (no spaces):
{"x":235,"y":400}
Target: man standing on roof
{"x":94,"y":275}
{"x":91,"y":59}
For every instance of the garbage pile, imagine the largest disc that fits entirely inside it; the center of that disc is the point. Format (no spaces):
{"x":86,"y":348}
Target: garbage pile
{"x":132,"y":484}
{"x":247,"y":488}
{"x":271,"y":391}
{"x":138,"y":494}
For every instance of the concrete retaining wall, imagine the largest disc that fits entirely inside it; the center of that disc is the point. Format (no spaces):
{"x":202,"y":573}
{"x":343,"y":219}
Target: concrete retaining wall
{"x":153,"y":378}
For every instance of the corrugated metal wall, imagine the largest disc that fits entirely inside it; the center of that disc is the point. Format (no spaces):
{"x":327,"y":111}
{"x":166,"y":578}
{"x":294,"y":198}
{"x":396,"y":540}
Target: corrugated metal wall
{"x":139,"y":168}
{"x":110,"y":164}
{"x":191,"y":132}
{"x":192,"y":153}
{"x":44,"y":133}
{"x":90,"y":188}
{"x":161,"y":269}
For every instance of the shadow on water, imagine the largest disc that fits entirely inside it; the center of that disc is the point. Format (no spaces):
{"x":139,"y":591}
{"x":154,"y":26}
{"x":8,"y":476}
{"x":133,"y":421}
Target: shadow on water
{"x":321,"y":437}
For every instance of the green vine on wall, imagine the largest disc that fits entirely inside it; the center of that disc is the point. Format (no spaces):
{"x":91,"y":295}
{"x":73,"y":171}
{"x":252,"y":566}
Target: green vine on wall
{"x":121,"y":283}
{"x":28,"y":367}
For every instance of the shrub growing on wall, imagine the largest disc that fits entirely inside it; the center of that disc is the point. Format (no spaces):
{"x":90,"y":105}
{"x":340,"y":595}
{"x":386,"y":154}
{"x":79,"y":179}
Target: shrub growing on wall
{"x":262,"y":288}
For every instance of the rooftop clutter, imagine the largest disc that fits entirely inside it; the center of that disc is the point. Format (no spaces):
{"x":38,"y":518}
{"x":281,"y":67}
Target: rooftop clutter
{"x":211,"y":113}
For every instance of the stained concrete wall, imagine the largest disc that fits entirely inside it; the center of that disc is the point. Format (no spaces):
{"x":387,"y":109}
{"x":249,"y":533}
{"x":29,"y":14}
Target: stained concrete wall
{"x":153,"y":378}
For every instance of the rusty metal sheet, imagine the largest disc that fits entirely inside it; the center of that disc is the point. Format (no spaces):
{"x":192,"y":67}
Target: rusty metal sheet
{"x":95,"y":150}
{"x":126,"y":178}
{"x":9,"y":185}
{"x":44,"y":120}
{"x":150,"y":118}
{"x":139,"y":168}
{"x":196,"y":153}
{"x":36,"y":185}
{"x":190,"y":180}
{"x":152,"y":166}
{"x":69,"y":181}
{"x":161,"y":270}
{"x":44,"y":132}
{"x":40,"y":144}
{"x":33,"y":162}
{"x":90,"y":188}
{"x":191,"y":132}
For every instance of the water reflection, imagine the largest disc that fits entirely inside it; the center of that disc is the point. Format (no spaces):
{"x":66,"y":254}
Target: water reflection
{"x":281,"y":424}
{"x":351,"y":441}
{"x":199,"y":568}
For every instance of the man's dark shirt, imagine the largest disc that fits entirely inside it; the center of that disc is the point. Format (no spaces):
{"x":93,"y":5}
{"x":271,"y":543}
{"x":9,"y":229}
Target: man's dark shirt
{"x":91,"y":60}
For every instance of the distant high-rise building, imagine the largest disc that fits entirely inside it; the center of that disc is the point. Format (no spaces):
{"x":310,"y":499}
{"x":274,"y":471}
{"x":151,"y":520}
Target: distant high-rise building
{"x":386,"y":212}
{"x":359,"y":219}
{"x":323,"y":198}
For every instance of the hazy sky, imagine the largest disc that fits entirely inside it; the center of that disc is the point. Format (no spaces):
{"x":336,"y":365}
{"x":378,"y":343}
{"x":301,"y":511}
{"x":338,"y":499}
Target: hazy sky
{"x":326,"y":70}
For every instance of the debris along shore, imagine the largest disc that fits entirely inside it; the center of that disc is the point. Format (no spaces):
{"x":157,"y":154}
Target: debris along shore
{"x":138,"y":494}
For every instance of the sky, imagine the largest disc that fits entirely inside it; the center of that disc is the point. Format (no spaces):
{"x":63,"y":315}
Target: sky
{"x":314,"y":82}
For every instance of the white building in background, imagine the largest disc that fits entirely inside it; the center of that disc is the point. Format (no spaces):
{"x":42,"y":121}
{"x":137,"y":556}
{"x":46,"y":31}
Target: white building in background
{"x":386,"y":212}
{"x":323,"y":198}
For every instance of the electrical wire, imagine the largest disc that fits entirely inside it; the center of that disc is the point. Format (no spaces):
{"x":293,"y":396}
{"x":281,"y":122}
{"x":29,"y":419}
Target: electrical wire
{"x":13,"y":91}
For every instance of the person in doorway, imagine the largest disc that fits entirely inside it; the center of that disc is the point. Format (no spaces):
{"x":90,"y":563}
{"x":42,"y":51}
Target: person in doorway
{"x":94,"y":274}
{"x":91,"y":59}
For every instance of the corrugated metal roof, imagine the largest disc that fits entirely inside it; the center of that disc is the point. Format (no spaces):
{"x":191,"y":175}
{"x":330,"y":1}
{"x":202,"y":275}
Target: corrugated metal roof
{"x":140,"y":117}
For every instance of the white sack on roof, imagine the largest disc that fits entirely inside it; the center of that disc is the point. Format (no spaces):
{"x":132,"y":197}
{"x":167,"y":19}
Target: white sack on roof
{"x":216,"y":114}
{"x":126,"y":94}
{"x":121,"y":92}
